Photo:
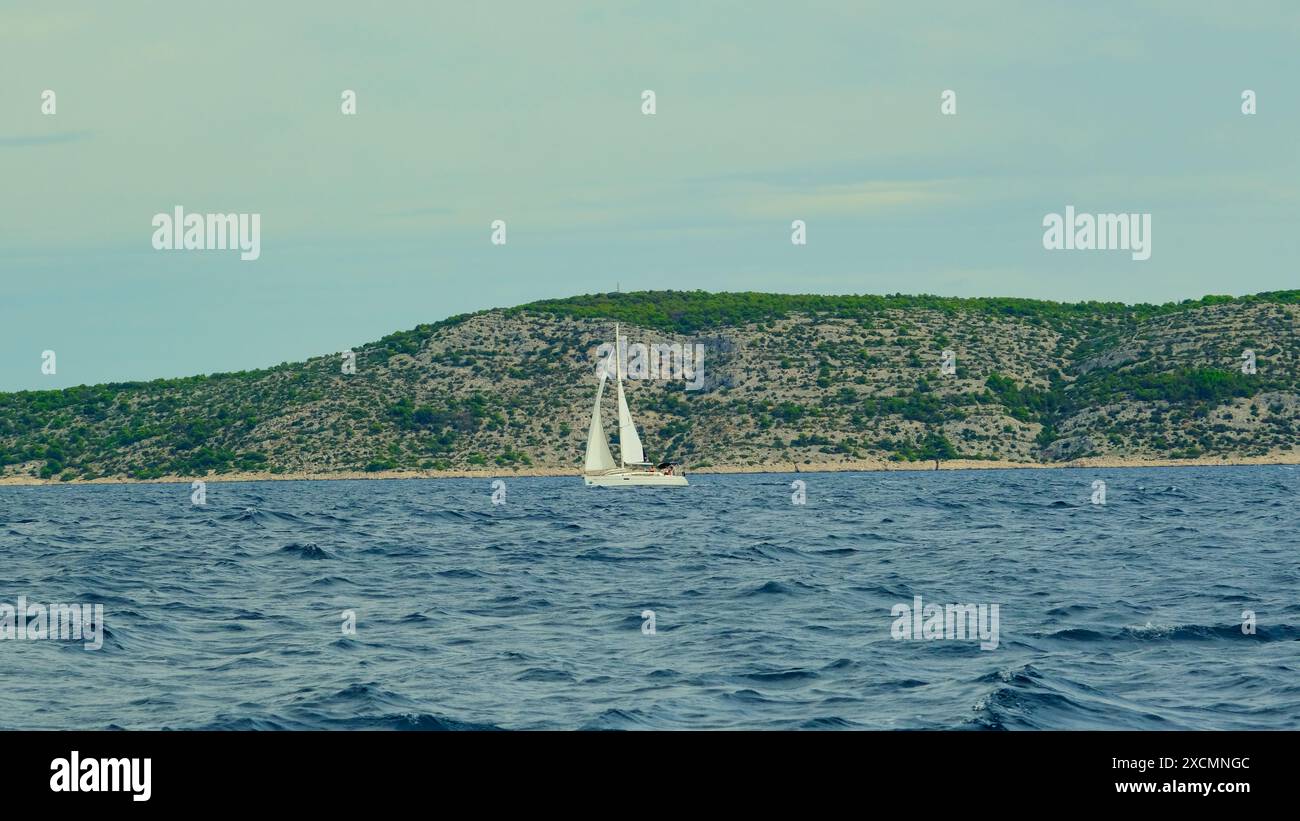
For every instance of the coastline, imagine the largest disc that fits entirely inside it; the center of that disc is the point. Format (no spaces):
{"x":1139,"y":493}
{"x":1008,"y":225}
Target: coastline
{"x":782,"y":468}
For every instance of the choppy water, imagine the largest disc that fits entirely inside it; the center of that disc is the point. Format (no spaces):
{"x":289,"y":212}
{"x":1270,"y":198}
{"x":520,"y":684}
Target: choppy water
{"x":767,"y":614}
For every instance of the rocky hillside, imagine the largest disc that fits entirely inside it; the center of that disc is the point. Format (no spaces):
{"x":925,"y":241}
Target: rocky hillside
{"x":786,"y":379}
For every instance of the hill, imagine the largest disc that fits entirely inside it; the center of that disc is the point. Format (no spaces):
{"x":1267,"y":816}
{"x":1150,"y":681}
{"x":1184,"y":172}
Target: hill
{"x":787,"y":380}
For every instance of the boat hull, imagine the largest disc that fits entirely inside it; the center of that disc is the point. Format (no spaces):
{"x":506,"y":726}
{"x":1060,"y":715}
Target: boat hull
{"x":633,"y":478}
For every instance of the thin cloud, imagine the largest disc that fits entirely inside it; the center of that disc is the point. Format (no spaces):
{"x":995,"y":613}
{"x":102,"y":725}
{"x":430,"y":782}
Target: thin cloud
{"x":27,"y":141}
{"x":849,"y":198}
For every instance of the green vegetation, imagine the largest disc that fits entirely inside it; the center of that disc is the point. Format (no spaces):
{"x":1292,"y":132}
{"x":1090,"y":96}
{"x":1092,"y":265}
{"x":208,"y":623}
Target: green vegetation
{"x":690,"y":312}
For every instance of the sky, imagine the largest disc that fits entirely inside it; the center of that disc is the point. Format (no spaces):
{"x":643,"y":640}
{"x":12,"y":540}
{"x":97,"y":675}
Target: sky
{"x":531,"y":113}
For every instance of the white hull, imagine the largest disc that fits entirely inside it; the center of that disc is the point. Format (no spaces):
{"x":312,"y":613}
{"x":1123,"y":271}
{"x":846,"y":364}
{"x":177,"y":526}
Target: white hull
{"x":632,"y":478}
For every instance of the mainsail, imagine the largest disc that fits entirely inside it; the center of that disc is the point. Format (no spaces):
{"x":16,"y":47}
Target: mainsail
{"x":598,"y":455}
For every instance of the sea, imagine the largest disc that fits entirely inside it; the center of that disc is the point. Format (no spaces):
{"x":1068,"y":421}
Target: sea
{"x":757,"y":601}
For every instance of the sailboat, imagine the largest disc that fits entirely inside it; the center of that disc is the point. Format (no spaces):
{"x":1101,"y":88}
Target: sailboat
{"x":632,"y":469}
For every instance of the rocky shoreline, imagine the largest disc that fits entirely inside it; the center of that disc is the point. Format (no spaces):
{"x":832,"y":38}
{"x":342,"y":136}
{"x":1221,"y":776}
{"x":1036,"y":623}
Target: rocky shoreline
{"x":787,"y":468}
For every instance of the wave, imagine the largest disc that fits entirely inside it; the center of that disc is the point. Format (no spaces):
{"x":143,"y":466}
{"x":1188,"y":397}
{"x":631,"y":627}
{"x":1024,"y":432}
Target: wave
{"x":264,"y":517}
{"x":306,"y":551}
{"x":1177,"y":633}
{"x":828,"y":723}
{"x":790,"y":676}
{"x":409,"y":722}
{"x":615,"y":719}
{"x":359,"y":706}
{"x":1025,"y":699}
{"x":775,"y":588}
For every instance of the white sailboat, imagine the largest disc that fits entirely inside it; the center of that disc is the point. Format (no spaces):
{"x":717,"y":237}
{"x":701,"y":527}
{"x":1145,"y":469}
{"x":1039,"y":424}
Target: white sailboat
{"x":632,"y":469}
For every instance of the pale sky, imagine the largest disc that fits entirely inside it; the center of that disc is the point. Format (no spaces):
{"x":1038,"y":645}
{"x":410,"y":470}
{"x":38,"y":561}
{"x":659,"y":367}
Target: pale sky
{"x":531,"y":113}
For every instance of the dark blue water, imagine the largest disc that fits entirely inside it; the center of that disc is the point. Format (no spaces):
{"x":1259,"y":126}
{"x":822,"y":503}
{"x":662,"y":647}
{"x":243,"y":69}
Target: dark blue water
{"x":767,"y":614}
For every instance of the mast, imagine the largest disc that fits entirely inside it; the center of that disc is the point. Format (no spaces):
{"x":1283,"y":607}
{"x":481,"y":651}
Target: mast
{"x":618,"y":369}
